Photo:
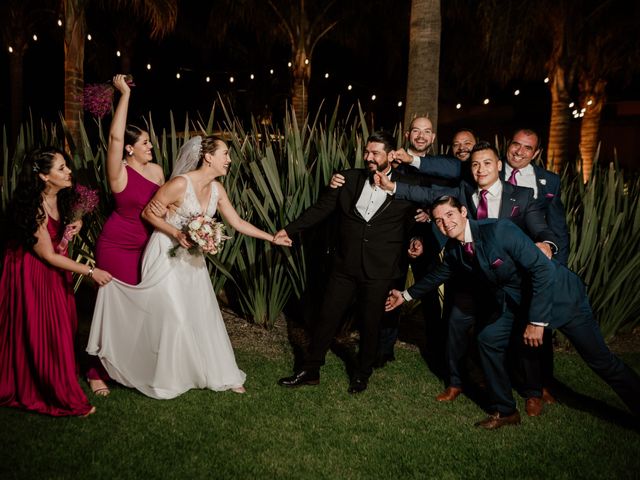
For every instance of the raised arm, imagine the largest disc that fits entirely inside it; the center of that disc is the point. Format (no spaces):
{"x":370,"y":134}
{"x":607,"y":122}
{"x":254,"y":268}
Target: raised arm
{"x":116,"y":173}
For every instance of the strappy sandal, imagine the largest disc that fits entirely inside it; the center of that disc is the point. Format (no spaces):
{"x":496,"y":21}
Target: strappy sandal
{"x":98,"y":391}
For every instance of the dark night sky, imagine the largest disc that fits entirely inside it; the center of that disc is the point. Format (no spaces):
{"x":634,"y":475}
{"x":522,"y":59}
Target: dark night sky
{"x":378,"y":66}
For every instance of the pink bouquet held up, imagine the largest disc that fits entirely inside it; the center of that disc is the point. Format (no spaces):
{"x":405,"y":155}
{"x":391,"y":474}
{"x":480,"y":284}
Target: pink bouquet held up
{"x":87,"y":201}
{"x":97,"y":98}
{"x":206,"y":234}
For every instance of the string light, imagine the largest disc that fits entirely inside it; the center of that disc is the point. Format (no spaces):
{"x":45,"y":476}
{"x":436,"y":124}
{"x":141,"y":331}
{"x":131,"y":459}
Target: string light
{"x":306,"y":61}
{"x":349,"y":87}
{"x":373,"y":97}
{"x":458,"y":106}
{"x":118,"y":53}
{"x":326,"y":75}
{"x":289,"y":64}
{"x":517,"y":92}
{"x":399,"y":104}
{"x":583,"y":110}
{"x":486,"y":101}
{"x":571,"y":105}
{"x":148,"y":66}
{"x":35,"y":37}
{"x":231,"y":79}
{"x":208,"y":79}
{"x":252,"y":76}
{"x":590,"y":102}
{"x":10,"y":49}
{"x":546,"y":79}
{"x":59,"y":22}
{"x":89,"y":37}
{"x":178,"y":75}
{"x":271,"y":71}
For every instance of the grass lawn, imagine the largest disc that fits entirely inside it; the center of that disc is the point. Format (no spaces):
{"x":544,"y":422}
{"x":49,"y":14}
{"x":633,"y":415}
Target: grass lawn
{"x":393,"y":430}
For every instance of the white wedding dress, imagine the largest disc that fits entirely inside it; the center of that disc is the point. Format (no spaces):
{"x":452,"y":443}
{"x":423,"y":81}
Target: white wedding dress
{"x":166,"y":335}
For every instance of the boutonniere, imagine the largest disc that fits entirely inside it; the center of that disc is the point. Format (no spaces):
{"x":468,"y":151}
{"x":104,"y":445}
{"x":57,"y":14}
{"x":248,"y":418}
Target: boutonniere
{"x":515,"y":210}
{"x":543,"y":181}
{"x":496,"y":263}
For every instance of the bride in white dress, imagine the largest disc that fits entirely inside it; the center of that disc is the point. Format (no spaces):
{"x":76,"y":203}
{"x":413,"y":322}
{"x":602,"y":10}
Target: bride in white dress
{"x":166,"y":335}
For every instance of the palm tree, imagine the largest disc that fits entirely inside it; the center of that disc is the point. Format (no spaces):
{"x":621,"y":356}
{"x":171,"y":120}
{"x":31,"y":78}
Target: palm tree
{"x":161,"y":15}
{"x":424,"y":61}
{"x":21,"y":19}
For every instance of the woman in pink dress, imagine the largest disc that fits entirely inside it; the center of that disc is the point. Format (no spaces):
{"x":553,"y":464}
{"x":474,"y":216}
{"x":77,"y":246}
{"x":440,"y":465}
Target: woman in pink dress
{"x":133,"y":182}
{"x":37,"y":309}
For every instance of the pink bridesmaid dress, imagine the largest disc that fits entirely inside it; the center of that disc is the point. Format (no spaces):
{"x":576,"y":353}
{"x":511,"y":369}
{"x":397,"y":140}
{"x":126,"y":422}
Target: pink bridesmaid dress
{"x":38,"y":320}
{"x":124,"y":235}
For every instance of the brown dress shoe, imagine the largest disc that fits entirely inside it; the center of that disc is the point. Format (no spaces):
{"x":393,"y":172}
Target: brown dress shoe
{"x":547,"y":397}
{"x":497,"y":420}
{"x":533,"y":406}
{"x":449,"y":395}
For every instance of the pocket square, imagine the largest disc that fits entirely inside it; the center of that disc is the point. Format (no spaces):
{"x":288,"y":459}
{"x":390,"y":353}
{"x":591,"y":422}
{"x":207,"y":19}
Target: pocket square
{"x":549,"y":195}
{"x":496,"y":263}
{"x":515,"y":210}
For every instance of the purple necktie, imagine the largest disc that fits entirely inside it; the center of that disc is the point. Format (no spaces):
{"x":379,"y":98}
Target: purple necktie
{"x":468,"y":249}
{"x":512,"y":179}
{"x":483,"y":209}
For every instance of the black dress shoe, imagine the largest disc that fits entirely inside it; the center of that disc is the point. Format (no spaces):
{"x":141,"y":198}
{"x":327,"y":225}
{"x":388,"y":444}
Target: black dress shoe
{"x":357,"y":385}
{"x":304,"y":377}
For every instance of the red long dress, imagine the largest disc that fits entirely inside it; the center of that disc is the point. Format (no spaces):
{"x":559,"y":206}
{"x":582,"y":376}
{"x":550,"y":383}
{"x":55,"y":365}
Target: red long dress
{"x":38,"y":321}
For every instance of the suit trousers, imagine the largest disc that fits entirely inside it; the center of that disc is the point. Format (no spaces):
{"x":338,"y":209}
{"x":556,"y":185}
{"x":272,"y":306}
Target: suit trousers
{"x":583,"y":332}
{"x":370,"y":296}
{"x":461,"y":321}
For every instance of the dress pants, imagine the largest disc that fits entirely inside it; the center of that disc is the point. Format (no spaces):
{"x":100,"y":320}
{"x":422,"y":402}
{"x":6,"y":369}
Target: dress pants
{"x":461,"y":320}
{"x":583,"y":332}
{"x":370,"y":296}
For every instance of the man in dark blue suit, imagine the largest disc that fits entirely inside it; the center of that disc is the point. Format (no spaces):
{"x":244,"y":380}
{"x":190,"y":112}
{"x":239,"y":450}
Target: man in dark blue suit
{"x":499,"y":257}
{"x":489,"y":197}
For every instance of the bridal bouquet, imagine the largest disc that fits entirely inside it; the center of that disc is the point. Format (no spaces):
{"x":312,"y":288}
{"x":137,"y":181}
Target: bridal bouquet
{"x":86,"y":202}
{"x":206,"y":234}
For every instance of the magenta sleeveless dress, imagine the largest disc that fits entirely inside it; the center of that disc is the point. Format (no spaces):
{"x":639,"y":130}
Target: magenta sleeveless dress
{"x":124,"y":235}
{"x":38,"y":320}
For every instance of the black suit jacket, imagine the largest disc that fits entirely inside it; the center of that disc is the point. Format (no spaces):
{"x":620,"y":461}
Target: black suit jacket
{"x":373,"y":248}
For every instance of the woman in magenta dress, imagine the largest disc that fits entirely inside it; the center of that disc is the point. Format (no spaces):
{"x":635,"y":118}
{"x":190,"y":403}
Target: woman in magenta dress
{"x":133,"y":182}
{"x":37,"y":309}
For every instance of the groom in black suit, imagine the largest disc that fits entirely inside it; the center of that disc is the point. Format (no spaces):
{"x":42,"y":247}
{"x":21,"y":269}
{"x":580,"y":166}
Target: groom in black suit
{"x":372,"y":232}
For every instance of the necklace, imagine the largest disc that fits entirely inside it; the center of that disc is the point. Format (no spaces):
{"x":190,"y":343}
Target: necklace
{"x":50,"y":207}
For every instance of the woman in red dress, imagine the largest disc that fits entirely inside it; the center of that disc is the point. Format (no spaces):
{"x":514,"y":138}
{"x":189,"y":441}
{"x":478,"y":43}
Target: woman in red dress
{"x":133,"y":181}
{"x":37,"y":309}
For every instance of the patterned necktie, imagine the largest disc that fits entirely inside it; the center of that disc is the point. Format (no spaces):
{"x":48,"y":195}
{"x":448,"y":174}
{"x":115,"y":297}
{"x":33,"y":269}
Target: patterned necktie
{"x":483,"y":209}
{"x":512,"y":179}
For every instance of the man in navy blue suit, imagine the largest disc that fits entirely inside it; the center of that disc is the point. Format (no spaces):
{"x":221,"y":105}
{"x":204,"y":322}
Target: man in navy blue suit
{"x":489,"y":197}
{"x":501,"y":259}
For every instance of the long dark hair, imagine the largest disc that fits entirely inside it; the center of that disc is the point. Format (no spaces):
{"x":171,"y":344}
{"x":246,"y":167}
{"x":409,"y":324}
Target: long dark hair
{"x":26,"y":211}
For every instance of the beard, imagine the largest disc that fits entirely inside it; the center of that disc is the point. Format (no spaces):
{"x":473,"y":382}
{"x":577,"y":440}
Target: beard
{"x":380,"y":168}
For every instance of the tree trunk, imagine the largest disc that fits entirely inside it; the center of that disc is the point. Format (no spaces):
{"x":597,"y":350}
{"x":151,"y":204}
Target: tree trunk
{"x":590,"y":126}
{"x":560,"y":122}
{"x":74,"y":37}
{"x":300,"y":89}
{"x":424,"y":61}
{"x":16,"y":82}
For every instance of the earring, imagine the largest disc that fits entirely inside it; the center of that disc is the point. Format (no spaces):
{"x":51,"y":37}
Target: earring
{"x":130,"y":152}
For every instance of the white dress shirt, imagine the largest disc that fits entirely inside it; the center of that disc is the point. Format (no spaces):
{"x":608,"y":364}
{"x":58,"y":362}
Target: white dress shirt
{"x":526,"y":177}
{"x":372,"y":198}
